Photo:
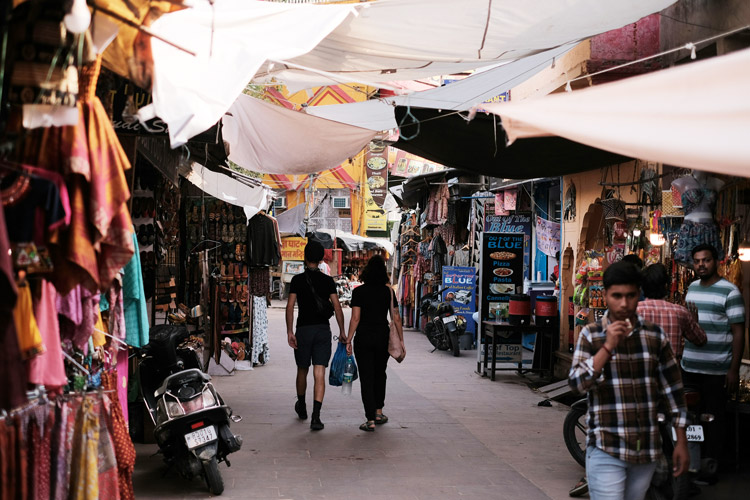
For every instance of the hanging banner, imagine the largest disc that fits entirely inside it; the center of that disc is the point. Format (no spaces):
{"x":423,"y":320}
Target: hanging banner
{"x":459,"y":288}
{"x":376,"y":168}
{"x":520,"y":222}
{"x":547,"y":236}
{"x":405,"y":164}
{"x":501,"y":272}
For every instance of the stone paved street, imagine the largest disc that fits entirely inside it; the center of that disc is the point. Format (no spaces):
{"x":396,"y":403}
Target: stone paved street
{"x":451,"y":434}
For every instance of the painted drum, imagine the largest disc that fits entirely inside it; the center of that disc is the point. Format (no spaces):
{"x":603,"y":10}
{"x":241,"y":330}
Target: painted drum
{"x":519,"y":310}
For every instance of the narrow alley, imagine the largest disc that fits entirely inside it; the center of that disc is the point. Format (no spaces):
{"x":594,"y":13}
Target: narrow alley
{"x":451,"y":433}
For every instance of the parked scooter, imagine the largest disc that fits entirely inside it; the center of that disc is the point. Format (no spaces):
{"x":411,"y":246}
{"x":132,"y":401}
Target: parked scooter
{"x":444,"y":326}
{"x":664,"y":486}
{"x":191,"y":419}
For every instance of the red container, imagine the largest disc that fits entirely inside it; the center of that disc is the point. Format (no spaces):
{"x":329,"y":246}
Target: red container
{"x":546,"y":310}
{"x":519,"y":310}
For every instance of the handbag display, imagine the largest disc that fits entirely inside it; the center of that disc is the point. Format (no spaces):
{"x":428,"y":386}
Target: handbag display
{"x":396,"y":347}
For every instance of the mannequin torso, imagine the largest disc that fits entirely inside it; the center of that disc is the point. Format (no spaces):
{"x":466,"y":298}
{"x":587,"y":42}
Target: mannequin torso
{"x":698,"y":193}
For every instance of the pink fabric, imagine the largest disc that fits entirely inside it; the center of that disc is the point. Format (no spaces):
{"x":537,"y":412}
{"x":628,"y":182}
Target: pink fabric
{"x":47,"y":368}
{"x":79,"y":311}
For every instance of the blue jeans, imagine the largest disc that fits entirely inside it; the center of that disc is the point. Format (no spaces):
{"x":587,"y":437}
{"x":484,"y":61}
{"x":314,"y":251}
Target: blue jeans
{"x":613,"y":479}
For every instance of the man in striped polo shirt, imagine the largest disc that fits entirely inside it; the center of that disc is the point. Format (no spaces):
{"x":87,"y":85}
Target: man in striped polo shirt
{"x":714,"y":367}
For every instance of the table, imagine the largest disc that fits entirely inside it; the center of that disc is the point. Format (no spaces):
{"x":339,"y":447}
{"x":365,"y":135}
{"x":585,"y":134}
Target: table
{"x":511,"y":334}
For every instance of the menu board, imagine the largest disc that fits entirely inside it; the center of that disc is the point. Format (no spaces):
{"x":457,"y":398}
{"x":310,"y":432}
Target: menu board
{"x":377,"y":175}
{"x":459,"y":288}
{"x":501,"y":272}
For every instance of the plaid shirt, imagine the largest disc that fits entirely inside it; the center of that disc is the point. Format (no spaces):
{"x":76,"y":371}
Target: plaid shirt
{"x":675,"y":320}
{"x":623,"y":400}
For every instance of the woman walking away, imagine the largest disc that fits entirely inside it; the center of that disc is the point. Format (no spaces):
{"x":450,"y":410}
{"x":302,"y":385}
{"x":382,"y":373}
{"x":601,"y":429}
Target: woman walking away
{"x":370,"y":305}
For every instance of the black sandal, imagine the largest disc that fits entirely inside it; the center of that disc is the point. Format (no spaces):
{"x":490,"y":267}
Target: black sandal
{"x":381,"y":419}
{"x":367,"y":426}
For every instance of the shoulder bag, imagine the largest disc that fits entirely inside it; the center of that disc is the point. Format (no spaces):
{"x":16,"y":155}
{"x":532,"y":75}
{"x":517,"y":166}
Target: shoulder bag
{"x":325,"y":308}
{"x":395,"y":337}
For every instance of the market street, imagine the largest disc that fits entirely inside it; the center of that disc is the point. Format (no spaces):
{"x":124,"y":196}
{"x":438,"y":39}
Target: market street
{"x":451,"y":433}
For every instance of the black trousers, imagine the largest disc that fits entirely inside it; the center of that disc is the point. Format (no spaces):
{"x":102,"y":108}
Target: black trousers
{"x":371,"y":353}
{"x":713,"y":401}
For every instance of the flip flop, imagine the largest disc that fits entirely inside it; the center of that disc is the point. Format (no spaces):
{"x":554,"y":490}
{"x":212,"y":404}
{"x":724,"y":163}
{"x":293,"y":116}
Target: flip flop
{"x":367,"y":427}
{"x":381,"y":419}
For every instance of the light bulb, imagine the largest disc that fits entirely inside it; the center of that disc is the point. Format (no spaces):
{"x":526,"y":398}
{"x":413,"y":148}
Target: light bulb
{"x":657,"y":239}
{"x":79,"y":18}
{"x":637,"y":232}
{"x":744,"y":251}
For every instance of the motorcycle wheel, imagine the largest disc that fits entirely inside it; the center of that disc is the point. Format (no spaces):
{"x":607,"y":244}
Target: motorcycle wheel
{"x":454,"y":345}
{"x":574,"y":432}
{"x":213,"y":477}
{"x":431,"y":333}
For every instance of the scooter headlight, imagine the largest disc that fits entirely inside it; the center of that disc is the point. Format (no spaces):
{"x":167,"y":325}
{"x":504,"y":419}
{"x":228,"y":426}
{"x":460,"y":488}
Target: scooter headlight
{"x":174,"y":409}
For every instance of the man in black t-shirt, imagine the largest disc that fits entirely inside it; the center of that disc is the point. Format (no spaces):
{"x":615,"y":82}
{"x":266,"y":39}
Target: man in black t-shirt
{"x":316,"y":295}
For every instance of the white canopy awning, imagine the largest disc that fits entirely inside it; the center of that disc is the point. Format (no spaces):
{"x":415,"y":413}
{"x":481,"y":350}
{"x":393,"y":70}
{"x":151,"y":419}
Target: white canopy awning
{"x":252,"y":199}
{"x":232,"y":39}
{"x":459,"y":96}
{"x":388,"y":40}
{"x":271,"y":139}
{"x":412,"y":39}
{"x":355,"y":242}
{"x":663,"y":116}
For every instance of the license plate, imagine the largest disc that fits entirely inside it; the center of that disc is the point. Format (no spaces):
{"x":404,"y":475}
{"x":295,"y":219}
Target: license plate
{"x":694,"y":433}
{"x":448,"y":319}
{"x":200,"y":437}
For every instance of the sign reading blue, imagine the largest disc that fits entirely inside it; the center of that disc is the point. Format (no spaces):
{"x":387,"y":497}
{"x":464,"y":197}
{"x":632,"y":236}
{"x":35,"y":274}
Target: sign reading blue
{"x":459,"y":288}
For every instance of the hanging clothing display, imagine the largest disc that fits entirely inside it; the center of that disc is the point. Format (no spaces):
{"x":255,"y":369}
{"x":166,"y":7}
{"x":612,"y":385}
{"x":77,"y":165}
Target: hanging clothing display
{"x":260,"y":331}
{"x":263,"y":241}
{"x":136,"y":315}
{"x":47,"y":368}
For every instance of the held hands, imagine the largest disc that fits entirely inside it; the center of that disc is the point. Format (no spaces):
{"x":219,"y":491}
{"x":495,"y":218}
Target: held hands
{"x":349,"y":348}
{"x":291,"y":340}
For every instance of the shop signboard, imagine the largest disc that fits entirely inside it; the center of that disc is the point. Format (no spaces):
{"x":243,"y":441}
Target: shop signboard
{"x":290,"y":269}
{"x":405,"y":164}
{"x":459,"y":288}
{"x":519,"y":222}
{"x":376,"y":168}
{"x":293,"y":248}
{"x":501,"y":272}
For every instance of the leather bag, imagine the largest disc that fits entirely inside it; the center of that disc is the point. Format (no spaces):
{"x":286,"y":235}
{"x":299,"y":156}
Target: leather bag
{"x":395,"y":343}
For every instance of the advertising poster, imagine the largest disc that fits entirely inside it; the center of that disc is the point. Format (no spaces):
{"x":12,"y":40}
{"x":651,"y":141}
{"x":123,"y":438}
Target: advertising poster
{"x":547,"y":236}
{"x":520,"y":222}
{"x":502,"y":272}
{"x":459,"y":288}
{"x":405,"y":164}
{"x":376,"y":167}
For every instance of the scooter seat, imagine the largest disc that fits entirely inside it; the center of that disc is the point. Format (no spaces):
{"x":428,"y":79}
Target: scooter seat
{"x":181,"y":377}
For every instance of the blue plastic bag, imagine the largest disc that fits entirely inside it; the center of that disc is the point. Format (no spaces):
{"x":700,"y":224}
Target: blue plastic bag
{"x":338,"y":366}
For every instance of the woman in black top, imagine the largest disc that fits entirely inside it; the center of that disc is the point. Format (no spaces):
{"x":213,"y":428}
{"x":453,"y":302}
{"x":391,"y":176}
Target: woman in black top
{"x":370,"y":305}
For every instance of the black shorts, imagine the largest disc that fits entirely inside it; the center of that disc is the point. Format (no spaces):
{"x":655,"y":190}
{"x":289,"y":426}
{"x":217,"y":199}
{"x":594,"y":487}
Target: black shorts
{"x":313,"y":345}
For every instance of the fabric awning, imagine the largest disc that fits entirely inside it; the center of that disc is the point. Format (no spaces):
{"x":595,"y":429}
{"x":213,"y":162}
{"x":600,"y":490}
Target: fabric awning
{"x":353,"y":242}
{"x":460,"y":96}
{"x":292,"y":221}
{"x":479,"y":146}
{"x":252,"y":199}
{"x":411,"y":39}
{"x":272,"y":139}
{"x":663,"y":116}
{"x":232,"y":39}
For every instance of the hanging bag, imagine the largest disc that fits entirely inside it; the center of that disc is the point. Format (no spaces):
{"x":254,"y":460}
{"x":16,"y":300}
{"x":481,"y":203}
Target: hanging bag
{"x":395,"y":337}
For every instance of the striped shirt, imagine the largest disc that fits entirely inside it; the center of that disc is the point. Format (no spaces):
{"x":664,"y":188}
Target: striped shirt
{"x":623,"y":400}
{"x":719,"y":306}
{"x":675,"y":320}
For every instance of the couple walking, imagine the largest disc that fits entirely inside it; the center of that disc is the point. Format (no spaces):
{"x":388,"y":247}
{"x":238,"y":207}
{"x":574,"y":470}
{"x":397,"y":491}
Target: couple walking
{"x":315,"y":294}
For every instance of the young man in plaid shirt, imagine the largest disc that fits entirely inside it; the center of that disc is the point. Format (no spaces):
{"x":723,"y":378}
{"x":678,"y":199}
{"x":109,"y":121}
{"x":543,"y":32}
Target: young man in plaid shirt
{"x":626,"y":365}
{"x":678,"y":322}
